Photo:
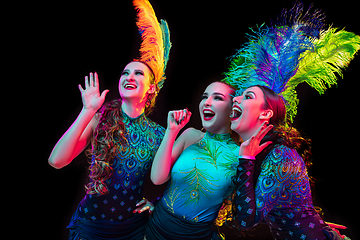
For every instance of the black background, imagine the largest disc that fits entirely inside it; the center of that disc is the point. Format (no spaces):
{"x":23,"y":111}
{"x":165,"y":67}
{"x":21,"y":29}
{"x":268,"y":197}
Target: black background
{"x":52,"y":46}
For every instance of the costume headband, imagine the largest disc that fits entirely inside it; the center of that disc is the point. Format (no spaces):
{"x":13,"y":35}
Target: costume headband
{"x":293,"y":50}
{"x":155,"y":36}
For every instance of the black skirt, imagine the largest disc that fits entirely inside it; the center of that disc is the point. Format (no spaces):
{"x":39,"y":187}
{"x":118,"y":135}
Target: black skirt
{"x":164,"y":225}
{"x":131,"y":229}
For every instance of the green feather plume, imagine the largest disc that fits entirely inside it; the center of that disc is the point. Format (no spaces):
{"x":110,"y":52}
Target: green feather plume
{"x":167,"y":46}
{"x":319,"y":67}
{"x":334,"y":50}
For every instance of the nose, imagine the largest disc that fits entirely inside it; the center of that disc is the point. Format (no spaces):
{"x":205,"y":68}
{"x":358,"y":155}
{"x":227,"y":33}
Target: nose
{"x":237,"y":99}
{"x":130,"y":78}
{"x":208,"y":102}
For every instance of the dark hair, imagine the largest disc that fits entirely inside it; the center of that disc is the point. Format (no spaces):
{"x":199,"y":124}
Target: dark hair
{"x":283,"y":132}
{"x":275,"y":103}
{"x":235,"y":137}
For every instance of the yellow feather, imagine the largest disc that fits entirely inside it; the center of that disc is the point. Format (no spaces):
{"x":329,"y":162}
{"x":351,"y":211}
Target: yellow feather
{"x":151,"y":49}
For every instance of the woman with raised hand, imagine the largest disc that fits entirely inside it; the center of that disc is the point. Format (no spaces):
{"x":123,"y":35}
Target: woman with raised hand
{"x":123,"y":140}
{"x":200,"y":166}
{"x":272,"y":183}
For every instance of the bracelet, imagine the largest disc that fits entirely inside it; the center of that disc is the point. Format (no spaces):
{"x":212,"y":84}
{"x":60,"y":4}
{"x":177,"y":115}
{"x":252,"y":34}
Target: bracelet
{"x":246,"y":157}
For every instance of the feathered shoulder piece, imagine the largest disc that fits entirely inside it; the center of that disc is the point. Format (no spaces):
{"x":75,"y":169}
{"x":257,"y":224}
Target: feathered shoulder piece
{"x":294,"y":49}
{"x":155,"y":36}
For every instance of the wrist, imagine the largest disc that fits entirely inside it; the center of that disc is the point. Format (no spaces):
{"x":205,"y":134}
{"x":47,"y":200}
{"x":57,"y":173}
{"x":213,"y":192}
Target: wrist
{"x":89,"y":111}
{"x":172,"y":132}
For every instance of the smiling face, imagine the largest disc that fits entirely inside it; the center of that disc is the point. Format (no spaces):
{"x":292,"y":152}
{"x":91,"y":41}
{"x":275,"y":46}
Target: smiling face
{"x":215,"y":107}
{"x":135,"y":82}
{"x":248,"y":112}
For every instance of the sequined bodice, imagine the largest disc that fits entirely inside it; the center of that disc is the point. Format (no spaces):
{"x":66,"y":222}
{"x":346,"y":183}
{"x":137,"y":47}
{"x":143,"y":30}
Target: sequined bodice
{"x":130,"y":166}
{"x":202,"y":177}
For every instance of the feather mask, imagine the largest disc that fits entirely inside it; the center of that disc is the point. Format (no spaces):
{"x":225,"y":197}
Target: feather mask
{"x":293,"y":50}
{"x":155,"y":36}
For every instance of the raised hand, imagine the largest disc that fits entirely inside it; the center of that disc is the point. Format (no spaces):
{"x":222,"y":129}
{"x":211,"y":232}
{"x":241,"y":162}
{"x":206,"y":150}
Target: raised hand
{"x":252,"y":147}
{"x":91,"y":97}
{"x":178,"y":119}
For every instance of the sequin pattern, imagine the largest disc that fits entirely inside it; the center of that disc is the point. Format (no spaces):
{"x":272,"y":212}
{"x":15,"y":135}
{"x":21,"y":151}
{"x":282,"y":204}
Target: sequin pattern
{"x":202,"y":177}
{"x":282,"y":196}
{"x":129,"y":170}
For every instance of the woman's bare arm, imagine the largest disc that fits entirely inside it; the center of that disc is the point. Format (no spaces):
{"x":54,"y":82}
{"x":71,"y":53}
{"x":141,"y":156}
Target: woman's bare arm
{"x":170,"y":150}
{"x":78,"y":136}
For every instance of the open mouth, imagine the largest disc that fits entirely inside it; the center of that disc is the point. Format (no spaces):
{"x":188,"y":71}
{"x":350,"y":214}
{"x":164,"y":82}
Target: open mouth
{"x":208,"y":114}
{"x":130,"y":86}
{"x":235,"y":113}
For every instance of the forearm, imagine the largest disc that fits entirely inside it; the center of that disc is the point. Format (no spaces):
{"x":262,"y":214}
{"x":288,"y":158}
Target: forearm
{"x":245,"y":195}
{"x":63,"y":152}
{"x":161,"y":167}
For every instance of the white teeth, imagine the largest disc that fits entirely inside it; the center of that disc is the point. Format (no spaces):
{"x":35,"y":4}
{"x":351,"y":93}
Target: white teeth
{"x":236,"y":112}
{"x":208,"y":113}
{"x":236,"y":109}
{"x":132,"y":86}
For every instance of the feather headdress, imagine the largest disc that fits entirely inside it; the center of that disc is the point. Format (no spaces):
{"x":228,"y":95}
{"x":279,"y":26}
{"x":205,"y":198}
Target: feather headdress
{"x":293,"y":50}
{"x":155,"y":45}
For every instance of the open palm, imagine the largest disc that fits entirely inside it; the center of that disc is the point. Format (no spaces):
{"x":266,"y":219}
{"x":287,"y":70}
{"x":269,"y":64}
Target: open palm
{"x":91,"y":97}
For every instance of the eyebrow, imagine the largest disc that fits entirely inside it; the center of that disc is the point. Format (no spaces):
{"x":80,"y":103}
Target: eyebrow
{"x":135,"y":70}
{"x":250,"y":92}
{"x":214,"y":93}
{"x":217,"y":93}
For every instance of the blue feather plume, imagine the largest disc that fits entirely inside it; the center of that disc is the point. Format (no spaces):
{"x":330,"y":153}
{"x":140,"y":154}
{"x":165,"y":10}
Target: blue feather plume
{"x":271,"y":56}
{"x":310,"y":23}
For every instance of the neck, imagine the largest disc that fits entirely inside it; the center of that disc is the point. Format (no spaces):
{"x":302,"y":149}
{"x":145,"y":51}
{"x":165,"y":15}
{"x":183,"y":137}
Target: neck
{"x":248,"y":134}
{"x":133,"y":108}
{"x":223,"y":130}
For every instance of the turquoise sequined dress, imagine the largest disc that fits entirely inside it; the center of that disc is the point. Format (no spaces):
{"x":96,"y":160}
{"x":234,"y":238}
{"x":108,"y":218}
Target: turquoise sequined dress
{"x":126,"y":183}
{"x":202,"y":177}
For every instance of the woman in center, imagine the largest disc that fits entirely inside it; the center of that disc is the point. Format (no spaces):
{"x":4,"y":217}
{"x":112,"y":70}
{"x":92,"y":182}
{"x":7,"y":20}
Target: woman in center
{"x":200,"y":166}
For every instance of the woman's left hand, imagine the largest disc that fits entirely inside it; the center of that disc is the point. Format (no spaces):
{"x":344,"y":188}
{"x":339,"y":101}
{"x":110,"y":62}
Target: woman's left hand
{"x":145,"y":205}
{"x":252,"y":147}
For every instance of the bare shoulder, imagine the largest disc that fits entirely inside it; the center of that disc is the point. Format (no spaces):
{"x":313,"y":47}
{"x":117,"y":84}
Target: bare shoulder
{"x":191,"y":136}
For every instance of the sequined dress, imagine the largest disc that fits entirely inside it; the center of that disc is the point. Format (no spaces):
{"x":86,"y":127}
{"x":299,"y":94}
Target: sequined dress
{"x":281,"y":195}
{"x":129,"y":170}
{"x":202,"y":177}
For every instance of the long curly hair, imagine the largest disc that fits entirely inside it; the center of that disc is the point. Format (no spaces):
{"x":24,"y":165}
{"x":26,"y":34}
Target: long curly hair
{"x":282,"y":133}
{"x":108,"y":139}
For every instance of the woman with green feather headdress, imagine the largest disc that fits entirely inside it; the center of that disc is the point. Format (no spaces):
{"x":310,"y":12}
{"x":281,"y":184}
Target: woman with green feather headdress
{"x":272,"y":180}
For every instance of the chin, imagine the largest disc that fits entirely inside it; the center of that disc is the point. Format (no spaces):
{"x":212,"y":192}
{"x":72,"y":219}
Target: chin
{"x":129,"y":94}
{"x":235,"y":126}
{"x":208,"y":124}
